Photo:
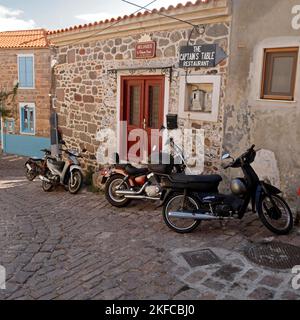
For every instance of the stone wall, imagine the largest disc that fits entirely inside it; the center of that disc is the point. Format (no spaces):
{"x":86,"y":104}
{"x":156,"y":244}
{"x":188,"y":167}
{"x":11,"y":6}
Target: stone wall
{"x":87,"y":92}
{"x":39,"y":95}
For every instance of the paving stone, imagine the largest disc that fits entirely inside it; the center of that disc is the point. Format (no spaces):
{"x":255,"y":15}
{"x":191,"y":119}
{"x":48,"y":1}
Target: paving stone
{"x":214,"y":284}
{"x":271,"y":281}
{"x":190,"y":294}
{"x":196,"y":277}
{"x":262,"y":293}
{"x":290,"y":295}
{"x":250,"y":275}
{"x":208,"y":296}
{"x":228,"y":272}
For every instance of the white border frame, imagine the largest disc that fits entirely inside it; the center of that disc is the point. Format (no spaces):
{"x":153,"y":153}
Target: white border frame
{"x":166,"y":100}
{"x":33,"y":72}
{"x":30,"y":105}
{"x":215,"y":80}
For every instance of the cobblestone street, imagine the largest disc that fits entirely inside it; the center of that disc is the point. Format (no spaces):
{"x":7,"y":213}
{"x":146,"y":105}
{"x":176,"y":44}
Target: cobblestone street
{"x":59,"y":246}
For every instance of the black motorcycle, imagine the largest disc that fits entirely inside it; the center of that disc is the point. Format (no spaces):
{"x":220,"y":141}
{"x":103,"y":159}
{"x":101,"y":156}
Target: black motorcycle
{"x":188,"y":200}
{"x":35,"y":167}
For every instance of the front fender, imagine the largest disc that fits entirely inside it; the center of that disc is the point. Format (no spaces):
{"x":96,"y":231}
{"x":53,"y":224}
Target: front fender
{"x":75,"y":167}
{"x":265,"y":188}
{"x":164,"y":197}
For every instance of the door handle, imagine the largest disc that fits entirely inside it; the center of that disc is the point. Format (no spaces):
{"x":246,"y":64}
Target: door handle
{"x":144,"y":123}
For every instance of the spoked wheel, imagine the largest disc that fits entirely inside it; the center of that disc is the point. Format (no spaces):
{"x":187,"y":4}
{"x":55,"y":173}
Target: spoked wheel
{"x":75,"y":182}
{"x":115,"y":183}
{"x":279,"y":218}
{"x":179,"y":204}
{"x":47,"y":187}
{"x":30,"y":174}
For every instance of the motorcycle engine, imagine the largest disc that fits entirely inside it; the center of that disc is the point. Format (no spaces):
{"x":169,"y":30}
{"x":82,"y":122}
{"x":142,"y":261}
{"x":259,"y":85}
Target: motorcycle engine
{"x":153,"y":191}
{"x":224,"y":210}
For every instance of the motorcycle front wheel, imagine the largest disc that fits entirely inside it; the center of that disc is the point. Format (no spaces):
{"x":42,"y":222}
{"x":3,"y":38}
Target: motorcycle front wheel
{"x":279,"y":218}
{"x":30,"y":174}
{"x":179,"y":204}
{"x":47,"y":187}
{"x":75,"y":182}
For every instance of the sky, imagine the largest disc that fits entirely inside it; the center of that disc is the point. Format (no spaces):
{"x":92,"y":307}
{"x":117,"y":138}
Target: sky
{"x":57,"y":14}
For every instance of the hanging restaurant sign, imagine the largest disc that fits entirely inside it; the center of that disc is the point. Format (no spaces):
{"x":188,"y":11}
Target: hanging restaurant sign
{"x":145,"y":50}
{"x":206,"y":56}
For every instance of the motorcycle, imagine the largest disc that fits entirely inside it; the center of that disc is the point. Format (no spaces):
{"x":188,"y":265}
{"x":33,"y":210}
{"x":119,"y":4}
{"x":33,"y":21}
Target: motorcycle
{"x":36,"y":166}
{"x":188,"y":200}
{"x":124,"y":182}
{"x":66,"y":173}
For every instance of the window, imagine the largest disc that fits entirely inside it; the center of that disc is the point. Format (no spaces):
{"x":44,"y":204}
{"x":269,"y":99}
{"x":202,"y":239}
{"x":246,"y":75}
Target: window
{"x":26,"y":71}
{"x":279,"y":74}
{"x":27,"y":118}
{"x":10,"y":126}
{"x":199,"y":97}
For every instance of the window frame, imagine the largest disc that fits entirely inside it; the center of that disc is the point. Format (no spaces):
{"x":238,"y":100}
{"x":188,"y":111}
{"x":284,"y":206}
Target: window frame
{"x":293,"y":76}
{"x":31,"y":55}
{"x":216,"y":81}
{"x":30,"y":105}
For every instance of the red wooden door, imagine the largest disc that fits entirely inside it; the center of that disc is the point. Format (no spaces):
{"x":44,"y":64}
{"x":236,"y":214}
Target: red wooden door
{"x":142,"y":107}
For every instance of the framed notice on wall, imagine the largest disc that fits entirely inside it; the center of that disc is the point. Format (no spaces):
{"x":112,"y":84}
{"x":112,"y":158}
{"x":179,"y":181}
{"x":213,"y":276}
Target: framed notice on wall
{"x":145,"y":50}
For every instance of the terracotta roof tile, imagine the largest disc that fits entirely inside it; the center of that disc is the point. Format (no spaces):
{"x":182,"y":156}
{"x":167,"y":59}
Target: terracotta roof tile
{"x":140,"y":14}
{"x":24,"y":39}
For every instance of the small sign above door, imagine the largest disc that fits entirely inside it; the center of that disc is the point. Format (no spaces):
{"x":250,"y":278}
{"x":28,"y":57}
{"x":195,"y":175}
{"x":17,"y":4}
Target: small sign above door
{"x":145,"y":50}
{"x":206,"y":56}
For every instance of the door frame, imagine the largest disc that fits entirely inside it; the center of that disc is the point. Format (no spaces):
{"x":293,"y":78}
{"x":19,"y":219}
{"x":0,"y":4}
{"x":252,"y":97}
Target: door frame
{"x":120,"y":77}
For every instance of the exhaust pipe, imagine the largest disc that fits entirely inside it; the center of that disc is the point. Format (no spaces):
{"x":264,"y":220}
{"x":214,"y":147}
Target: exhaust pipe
{"x":130,"y":192}
{"x":44,"y":179}
{"x":193,"y":216}
{"x":138,"y":197}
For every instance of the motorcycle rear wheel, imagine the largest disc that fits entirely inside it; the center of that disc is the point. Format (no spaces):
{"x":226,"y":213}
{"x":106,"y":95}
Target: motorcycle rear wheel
{"x":47,"y":187}
{"x":114,"y":182}
{"x":175,"y":204}
{"x":270,"y":218}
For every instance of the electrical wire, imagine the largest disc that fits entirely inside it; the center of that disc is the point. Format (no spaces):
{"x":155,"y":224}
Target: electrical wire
{"x":112,"y":25}
{"x":160,"y":13}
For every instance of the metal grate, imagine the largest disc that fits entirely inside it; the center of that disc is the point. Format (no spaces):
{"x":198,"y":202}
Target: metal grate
{"x":200,"y":258}
{"x":275,"y":255}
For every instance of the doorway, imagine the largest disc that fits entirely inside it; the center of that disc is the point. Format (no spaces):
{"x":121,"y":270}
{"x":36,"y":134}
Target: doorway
{"x":142,"y":107}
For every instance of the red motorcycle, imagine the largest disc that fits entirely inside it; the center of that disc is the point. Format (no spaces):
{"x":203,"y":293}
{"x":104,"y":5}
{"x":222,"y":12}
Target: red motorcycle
{"x":124,"y":182}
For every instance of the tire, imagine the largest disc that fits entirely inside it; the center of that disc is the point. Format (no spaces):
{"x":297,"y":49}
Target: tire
{"x":47,"y":187}
{"x":176,"y":200}
{"x":114,"y":200}
{"x":265,"y":210}
{"x":75,"y":185}
{"x":30,"y":175}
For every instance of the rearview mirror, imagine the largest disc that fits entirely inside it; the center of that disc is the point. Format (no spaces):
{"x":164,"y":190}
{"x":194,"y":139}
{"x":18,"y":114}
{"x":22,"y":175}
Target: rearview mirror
{"x":226,"y":156}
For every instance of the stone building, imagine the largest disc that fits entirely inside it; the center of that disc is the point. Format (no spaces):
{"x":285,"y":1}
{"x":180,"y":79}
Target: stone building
{"x":25,"y":58}
{"x":263,"y":91}
{"x":128,"y":69}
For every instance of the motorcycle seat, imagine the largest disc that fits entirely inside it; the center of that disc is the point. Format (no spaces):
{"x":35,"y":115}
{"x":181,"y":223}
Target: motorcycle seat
{"x":36,"y":159}
{"x":133,"y":171}
{"x":181,"y":178}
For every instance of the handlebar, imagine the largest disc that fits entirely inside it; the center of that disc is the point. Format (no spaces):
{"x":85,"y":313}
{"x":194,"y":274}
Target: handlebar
{"x":240,"y":160}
